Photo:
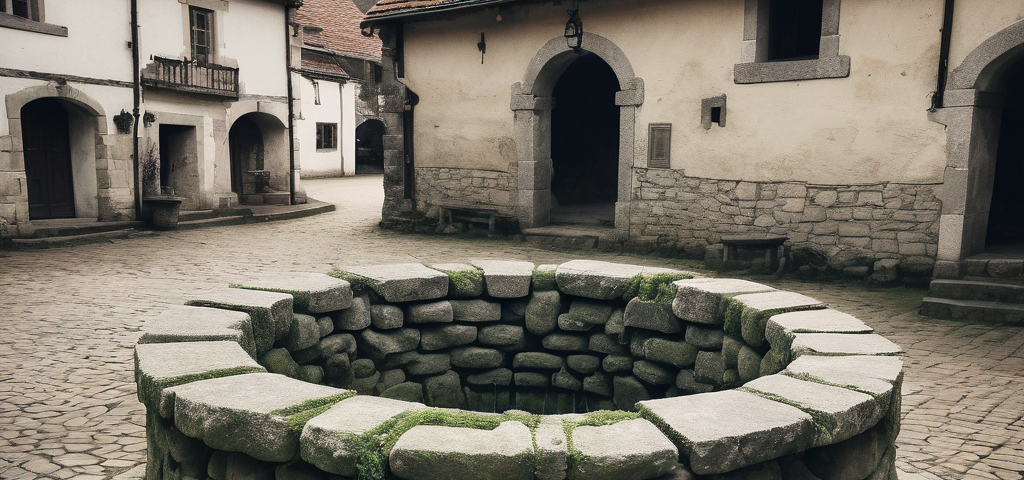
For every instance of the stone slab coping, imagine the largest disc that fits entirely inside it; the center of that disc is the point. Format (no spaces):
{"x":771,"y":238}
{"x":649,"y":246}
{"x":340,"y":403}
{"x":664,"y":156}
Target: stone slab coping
{"x":771,"y":240}
{"x":756,"y":306}
{"x":600,"y":280}
{"x":842,"y":344}
{"x":506,"y":278}
{"x":164,"y":365}
{"x":328,"y":440}
{"x":699,"y":300}
{"x":839,"y":413}
{"x":312,"y":292}
{"x":248,"y":413}
{"x":270,"y":312}
{"x":724,"y":431}
{"x":876,"y":375}
{"x":404,"y":282}
{"x":182,"y":323}
{"x":782,"y":329}
{"x":428,"y":452}
{"x":626,"y":450}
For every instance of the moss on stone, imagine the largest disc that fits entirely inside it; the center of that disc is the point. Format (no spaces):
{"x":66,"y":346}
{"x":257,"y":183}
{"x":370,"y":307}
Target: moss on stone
{"x":543,"y":278}
{"x":592,"y":419}
{"x":656,"y":288}
{"x":823,"y":423}
{"x":811,"y":378}
{"x":299,"y":299}
{"x":150,"y":388}
{"x":298,"y":415}
{"x":359,"y":284}
{"x":465,"y":282}
{"x":733,"y":318}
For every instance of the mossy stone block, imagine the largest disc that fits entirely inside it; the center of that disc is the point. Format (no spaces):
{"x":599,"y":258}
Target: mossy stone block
{"x":356,"y":317}
{"x":162,"y":365}
{"x":653,"y":373}
{"x":627,"y":391}
{"x":475,"y":311}
{"x":432,"y":312}
{"x":651,"y":316}
{"x":501,"y":335}
{"x":463,"y":280}
{"x":565,"y":342}
{"x":428,"y":452}
{"x":585,"y":364}
{"x":377,"y":345}
{"x":444,"y":391}
{"x":542,"y":312}
{"x":498,"y":376}
{"x":407,"y":391}
{"x":303,"y":334}
{"x":506,"y":278}
{"x":565,"y":380}
{"x":603,"y":455}
{"x":617,"y":364}
{"x":280,"y":361}
{"x":182,"y":323}
{"x":445,"y":336}
{"x":406,"y":282}
{"x":477,"y":357}
{"x":270,"y":312}
{"x":313,"y":292}
{"x":386,"y":317}
{"x":532,"y":379}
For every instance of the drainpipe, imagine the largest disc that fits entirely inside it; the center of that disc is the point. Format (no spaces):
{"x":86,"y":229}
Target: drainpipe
{"x":291,"y":112}
{"x":947,"y":34}
{"x":137,"y":92}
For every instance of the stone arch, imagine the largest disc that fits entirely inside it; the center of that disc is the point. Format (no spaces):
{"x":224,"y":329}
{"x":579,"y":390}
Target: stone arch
{"x":973,"y":117}
{"x":19,"y":99}
{"x":272,"y":139}
{"x":532,"y":104}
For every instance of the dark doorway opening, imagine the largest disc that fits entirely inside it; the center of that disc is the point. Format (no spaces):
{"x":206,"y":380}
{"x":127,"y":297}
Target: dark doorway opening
{"x":370,"y":147}
{"x":248,"y":176}
{"x":178,"y":161}
{"x":47,"y":144}
{"x":585,"y":143}
{"x":1006,"y":215}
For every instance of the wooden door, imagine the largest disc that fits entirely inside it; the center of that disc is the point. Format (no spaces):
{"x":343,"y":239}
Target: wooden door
{"x":47,"y":142}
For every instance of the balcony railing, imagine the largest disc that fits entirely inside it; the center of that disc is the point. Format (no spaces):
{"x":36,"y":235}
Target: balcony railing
{"x":191,"y":76}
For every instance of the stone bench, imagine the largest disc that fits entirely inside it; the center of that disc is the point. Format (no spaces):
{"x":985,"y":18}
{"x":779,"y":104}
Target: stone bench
{"x":770,"y":244}
{"x":584,"y":370}
{"x":479,"y":216}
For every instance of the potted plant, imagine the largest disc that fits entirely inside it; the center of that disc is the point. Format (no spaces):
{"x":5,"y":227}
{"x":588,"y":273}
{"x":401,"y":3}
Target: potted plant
{"x":163,"y":205}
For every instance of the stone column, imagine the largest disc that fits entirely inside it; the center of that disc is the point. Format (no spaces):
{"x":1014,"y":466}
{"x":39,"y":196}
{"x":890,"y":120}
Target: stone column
{"x":628,"y":99}
{"x":532,"y":130}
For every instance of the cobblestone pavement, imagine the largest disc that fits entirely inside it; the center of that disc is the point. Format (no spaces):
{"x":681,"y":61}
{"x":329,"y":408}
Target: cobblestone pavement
{"x":70,"y":317}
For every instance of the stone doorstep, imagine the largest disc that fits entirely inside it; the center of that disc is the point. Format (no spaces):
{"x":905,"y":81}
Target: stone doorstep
{"x":626,"y":450}
{"x":270,"y":312}
{"x":235,"y":413}
{"x":849,"y":412}
{"x":313,"y":292}
{"x":699,"y":300}
{"x":428,"y":452}
{"x":182,"y":323}
{"x":506,"y":278}
{"x":405,"y":282}
{"x":875,"y":374}
{"x":163,"y":365}
{"x":325,"y":438}
{"x":842,"y":344}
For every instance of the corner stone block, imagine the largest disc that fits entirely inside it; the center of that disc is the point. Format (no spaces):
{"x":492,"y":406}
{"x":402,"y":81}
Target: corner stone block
{"x":874,"y":374}
{"x":330,"y":440}
{"x":627,"y":450}
{"x":182,"y":323}
{"x":249,"y":413}
{"x":405,"y":282}
{"x":506,"y":278}
{"x":758,"y":307}
{"x":159,"y":366}
{"x":312,"y":292}
{"x":429,"y":452}
{"x":839,"y":413}
{"x":782,"y":328}
{"x":756,"y":429}
{"x":699,"y":300}
{"x":842,"y":344}
{"x":271,"y":312}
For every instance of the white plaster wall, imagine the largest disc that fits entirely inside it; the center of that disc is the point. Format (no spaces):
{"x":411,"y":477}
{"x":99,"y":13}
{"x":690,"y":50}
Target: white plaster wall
{"x":83,"y":161}
{"x":314,"y":162}
{"x":977,"y":20}
{"x":870,"y":127}
{"x":95,"y":46}
{"x":348,"y":128}
{"x":249,"y":35}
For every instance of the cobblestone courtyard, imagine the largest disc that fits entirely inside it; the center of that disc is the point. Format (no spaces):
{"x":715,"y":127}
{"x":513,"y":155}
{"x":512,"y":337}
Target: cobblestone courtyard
{"x":71,"y":317}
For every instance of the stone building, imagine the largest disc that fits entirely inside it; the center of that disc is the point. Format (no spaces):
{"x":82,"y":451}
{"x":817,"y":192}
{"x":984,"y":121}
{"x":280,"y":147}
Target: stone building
{"x":210,"y":95}
{"x":340,"y":68}
{"x":869,"y":133}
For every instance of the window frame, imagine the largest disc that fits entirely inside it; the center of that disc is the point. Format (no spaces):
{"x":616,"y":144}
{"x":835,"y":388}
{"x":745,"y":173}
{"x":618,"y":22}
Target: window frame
{"x":210,"y":34}
{"x":321,"y":129}
{"x":755,"y":66}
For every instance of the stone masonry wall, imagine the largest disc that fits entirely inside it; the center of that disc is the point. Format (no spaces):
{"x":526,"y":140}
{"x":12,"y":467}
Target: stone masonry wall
{"x":620,"y":368}
{"x":857,"y":229}
{"x":466,"y":187}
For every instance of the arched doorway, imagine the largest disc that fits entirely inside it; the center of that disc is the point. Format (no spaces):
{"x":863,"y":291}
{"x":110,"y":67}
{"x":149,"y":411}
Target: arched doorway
{"x":1006,"y":215}
{"x":370,"y":147}
{"x":245,"y":142}
{"x":48,"y":171}
{"x":585,"y":143}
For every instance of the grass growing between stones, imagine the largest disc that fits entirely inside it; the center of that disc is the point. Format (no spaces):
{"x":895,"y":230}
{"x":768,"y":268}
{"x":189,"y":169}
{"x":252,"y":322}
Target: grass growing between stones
{"x":374,"y":446}
{"x":467,"y":282}
{"x":298,"y":415}
{"x":811,"y":378}
{"x":823,"y":423}
{"x":358,"y":283}
{"x":592,"y":419}
{"x":149,"y":387}
{"x":655,"y":288}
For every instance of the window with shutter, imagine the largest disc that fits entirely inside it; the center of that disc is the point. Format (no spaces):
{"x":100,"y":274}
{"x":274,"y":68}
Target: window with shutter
{"x":660,"y":148}
{"x":201,"y":26}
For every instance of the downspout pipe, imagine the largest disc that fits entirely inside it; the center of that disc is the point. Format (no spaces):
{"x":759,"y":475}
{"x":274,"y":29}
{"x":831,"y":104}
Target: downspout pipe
{"x":291,"y":107}
{"x":137,"y":93}
{"x":947,"y":35}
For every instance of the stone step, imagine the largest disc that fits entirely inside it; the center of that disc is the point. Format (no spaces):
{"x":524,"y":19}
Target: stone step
{"x":211,"y":222}
{"x":973,"y":310}
{"x":983,"y":290}
{"x":74,"y":227}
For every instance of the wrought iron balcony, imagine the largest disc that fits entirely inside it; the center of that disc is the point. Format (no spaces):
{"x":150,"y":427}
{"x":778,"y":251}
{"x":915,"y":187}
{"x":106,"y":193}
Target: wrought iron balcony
{"x":191,"y":76}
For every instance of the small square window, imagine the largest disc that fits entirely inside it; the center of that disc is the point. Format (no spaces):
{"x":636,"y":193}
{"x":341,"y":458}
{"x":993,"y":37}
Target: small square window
{"x":326,"y":136}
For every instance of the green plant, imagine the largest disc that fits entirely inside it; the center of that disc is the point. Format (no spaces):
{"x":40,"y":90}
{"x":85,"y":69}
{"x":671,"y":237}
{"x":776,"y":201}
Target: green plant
{"x":150,"y":164}
{"x":123,"y":121}
{"x":656,"y":288}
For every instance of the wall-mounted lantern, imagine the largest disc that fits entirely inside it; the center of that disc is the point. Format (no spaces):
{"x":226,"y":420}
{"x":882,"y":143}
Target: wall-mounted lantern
{"x":574,"y":30}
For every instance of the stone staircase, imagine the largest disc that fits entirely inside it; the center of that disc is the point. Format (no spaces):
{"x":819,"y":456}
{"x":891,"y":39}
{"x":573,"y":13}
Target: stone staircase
{"x":992,"y":291}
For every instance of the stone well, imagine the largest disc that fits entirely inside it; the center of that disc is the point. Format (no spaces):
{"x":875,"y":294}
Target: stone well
{"x":507,"y":370}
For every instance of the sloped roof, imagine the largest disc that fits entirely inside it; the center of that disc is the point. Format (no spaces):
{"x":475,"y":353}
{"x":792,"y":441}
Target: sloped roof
{"x":339,"y":20}
{"x":385,"y":9}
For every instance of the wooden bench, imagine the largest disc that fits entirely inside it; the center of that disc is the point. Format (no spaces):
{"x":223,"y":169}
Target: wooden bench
{"x":770,"y":243}
{"x":450,"y":214}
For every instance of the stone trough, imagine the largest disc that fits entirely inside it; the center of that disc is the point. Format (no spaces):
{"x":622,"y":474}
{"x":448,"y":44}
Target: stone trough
{"x":506,"y":370}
